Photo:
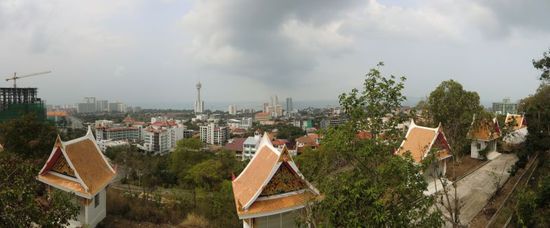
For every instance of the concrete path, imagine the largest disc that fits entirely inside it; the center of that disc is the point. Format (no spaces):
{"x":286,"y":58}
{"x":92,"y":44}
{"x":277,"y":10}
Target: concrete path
{"x":475,"y":190}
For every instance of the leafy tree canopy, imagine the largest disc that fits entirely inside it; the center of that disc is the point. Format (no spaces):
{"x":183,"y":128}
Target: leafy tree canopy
{"x":363,"y":183}
{"x":453,"y":107}
{"x":23,"y":200}
{"x":543,"y":65}
{"x":28,"y":136}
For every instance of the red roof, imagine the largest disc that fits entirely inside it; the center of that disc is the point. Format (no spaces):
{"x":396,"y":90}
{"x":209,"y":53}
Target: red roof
{"x":236,"y":145}
{"x":164,"y":123}
{"x":279,"y":142}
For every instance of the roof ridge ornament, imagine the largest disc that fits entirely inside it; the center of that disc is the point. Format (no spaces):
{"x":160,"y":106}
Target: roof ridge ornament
{"x":58,"y":142}
{"x":89,"y":133}
{"x":265,"y":141}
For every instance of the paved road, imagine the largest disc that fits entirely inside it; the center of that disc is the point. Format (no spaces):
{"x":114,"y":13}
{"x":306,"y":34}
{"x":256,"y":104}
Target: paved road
{"x":475,"y":190}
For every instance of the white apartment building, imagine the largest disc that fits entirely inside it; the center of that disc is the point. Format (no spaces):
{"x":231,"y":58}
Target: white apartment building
{"x":214,"y":134}
{"x":250,"y":146}
{"x":243,"y":123}
{"x":161,"y":136}
{"x":107,"y":130}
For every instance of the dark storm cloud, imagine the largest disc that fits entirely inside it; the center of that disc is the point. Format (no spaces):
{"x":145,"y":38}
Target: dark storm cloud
{"x":254,"y":31}
{"x":525,"y":14}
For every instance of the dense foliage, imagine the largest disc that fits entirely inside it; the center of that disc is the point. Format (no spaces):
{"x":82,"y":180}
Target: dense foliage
{"x":28,"y":136}
{"x":453,"y":107}
{"x":363,"y":183}
{"x":24,"y":200}
{"x":284,"y":131}
{"x":543,"y":65}
{"x":192,"y":181}
{"x":533,"y":203}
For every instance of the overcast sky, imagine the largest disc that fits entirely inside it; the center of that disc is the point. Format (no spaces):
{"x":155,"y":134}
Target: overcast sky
{"x":154,"y":51}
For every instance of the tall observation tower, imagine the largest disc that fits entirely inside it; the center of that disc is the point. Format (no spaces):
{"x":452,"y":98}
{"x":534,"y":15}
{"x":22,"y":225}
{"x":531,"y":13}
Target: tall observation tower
{"x":199,"y":104}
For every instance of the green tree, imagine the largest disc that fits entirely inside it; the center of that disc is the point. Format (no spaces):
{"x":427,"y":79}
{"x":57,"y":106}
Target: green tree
{"x":525,"y":208}
{"x":543,"y":65}
{"x":537,"y":114}
{"x":363,"y":183}
{"x":188,"y":152}
{"x":206,"y":174}
{"x":23,"y":200}
{"x":453,"y":107}
{"x":28,"y":136}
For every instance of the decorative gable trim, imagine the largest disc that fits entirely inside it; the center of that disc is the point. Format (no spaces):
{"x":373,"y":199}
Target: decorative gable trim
{"x":57,"y":151}
{"x":265,"y":182}
{"x":284,"y":157}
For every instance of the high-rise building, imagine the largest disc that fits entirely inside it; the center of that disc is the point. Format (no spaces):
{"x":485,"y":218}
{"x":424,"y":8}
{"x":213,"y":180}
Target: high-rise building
{"x":289,"y":105}
{"x":199,"y":104}
{"x":17,"y":101}
{"x":276,"y":108}
{"x":102,"y":106}
{"x":232,"y":109}
{"x":214,"y":134}
{"x":266,"y":107}
{"x":505,"y":107}
{"x":88,"y":105}
{"x":161,"y":136}
{"x":117,"y":107}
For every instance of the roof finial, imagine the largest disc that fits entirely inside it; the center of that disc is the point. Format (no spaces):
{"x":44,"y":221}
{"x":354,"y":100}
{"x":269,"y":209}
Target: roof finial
{"x":265,"y":140}
{"x":89,"y":132}
{"x":412,"y":124}
{"x":58,"y":142}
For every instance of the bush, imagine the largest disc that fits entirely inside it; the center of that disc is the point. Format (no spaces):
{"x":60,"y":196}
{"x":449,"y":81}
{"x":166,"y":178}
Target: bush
{"x":525,"y":208}
{"x":194,"y":220}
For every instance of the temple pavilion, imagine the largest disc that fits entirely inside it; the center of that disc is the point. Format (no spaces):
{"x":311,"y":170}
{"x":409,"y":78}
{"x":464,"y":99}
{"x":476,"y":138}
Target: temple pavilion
{"x":78,"y":166}
{"x":271,"y":191}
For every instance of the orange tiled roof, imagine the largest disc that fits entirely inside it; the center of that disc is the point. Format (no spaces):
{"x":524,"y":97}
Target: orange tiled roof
{"x":69,"y":184}
{"x":91,"y":170}
{"x":56,"y":113}
{"x":251,"y":180}
{"x":90,"y":165}
{"x":309,"y":139}
{"x":519,"y":121}
{"x":259,"y":172}
{"x":278,"y":204}
{"x":419,"y":141}
{"x":486,"y":130}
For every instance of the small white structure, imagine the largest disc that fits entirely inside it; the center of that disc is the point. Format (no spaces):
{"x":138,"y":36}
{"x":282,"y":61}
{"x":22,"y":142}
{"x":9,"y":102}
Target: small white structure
{"x":105,"y":144}
{"x":420,"y":140}
{"x":271,"y":189}
{"x":484,"y":135}
{"x":517,"y":125}
{"x":79,"y":167}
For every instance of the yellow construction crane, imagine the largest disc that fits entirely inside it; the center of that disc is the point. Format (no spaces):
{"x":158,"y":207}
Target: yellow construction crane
{"x":15,"y":77}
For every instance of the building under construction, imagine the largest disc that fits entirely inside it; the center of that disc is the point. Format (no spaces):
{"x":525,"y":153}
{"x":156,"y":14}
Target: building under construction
{"x":15,"y":102}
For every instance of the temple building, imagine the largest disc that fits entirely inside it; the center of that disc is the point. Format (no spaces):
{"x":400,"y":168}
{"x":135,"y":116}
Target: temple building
{"x":271,"y":191}
{"x":484,"y":136}
{"x":516,"y":125}
{"x":78,"y":166}
{"x":420,"y":140}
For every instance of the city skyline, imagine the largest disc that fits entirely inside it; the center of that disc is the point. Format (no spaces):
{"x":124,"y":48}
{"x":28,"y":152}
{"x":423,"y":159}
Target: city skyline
{"x":284,"y":47}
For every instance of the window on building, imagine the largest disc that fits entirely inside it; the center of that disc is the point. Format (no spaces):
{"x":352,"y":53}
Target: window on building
{"x":96,"y":200}
{"x":479,"y":146}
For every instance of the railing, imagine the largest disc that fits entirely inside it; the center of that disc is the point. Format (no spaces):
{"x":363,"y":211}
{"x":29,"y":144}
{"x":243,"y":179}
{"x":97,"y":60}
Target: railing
{"x":505,"y":212}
